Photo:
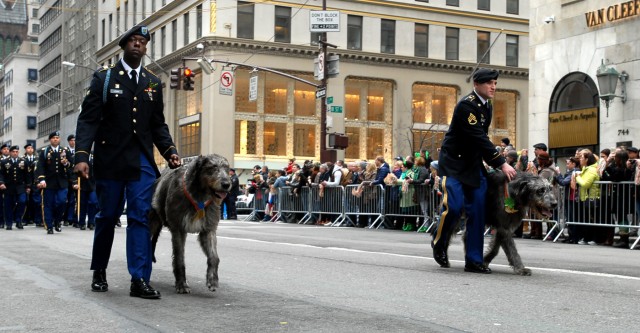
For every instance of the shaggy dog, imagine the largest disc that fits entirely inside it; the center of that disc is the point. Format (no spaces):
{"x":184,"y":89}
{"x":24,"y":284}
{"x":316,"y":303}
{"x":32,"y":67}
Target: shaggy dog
{"x":187,"y":200}
{"x":526,"y":191}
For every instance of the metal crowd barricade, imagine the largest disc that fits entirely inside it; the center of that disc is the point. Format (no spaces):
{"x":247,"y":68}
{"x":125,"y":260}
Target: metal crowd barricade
{"x":292,"y":202}
{"x":434,"y":206}
{"x":364,"y":202}
{"x":327,"y":202}
{"x":614,"y":208}
{"x":414,"y":202}
{"x":259,"y":203}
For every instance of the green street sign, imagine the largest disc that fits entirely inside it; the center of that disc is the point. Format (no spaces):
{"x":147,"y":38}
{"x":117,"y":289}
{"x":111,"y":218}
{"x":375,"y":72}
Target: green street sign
{"x":336,"y":109}
{"x":330,"y":100}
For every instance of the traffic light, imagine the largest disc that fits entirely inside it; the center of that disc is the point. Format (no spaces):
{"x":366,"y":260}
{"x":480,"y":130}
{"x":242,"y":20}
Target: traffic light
{"x":176,"y":78}
{"x":188,"y":79}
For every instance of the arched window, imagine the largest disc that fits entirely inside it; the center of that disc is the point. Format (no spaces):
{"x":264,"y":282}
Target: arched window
{"x":574,"y":113}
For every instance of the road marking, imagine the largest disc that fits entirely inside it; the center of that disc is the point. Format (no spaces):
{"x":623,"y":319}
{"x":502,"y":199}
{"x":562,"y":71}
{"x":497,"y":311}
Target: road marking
{"x":556,"y":270}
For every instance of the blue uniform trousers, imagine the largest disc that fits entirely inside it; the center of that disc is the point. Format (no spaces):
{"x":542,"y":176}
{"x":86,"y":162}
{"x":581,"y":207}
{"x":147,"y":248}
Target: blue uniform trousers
{"x":88,"y":208}
{"x":14,"y":204}
{"x":54,"y":205}
{"x":138,"y":195}
{"x":456,"y":197}
{"x":71,"y":213}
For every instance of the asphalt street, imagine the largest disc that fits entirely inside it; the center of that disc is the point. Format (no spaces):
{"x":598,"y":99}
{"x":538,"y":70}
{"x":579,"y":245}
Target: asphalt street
{"x":278,"y":277}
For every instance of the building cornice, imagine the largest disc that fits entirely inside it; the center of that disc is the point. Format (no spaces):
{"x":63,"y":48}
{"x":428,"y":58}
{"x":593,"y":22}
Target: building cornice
{"x":236,"y":45}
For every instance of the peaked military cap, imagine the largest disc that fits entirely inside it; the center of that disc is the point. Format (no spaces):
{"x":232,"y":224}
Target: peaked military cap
{"x":483,"y":75}
{"x":140,"y":30}
{"x":56,"y":133}
{"x":14,"y":148}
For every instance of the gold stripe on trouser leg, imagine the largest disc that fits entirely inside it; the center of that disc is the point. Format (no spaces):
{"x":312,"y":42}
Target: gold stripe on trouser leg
{"x":44,"y":222}
{"x":78,"y":203}
{"x":444,"y":212}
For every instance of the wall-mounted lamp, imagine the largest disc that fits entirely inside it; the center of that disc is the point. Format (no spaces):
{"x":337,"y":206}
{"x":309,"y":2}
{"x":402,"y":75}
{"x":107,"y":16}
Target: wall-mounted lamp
{"x":549,"y":19}
{"x":607,"y":82}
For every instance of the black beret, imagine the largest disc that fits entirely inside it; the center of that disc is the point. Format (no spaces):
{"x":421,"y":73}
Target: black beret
{"x":232,"y":169}
{"x":540,"y":146}
{"x":56,"y":133}
{"x":28,"y":145}
{"x":484,"y":75}
{"x":139,"y":29}
{"x":71,"y":137}
{"x":506,"y":141}
{"x":632,"y":149}
{"x":4,"y":146}
{"x":14,"y":148}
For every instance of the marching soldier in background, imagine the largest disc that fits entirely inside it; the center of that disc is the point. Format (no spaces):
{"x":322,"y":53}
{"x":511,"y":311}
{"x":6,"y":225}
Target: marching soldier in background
{"x":4,"y":151}
{"x":70,"y":216}
{"x":88,"y":200}
{"x":14,"y":178}
{"x":34,"y":200}
{"x":54,"y":172}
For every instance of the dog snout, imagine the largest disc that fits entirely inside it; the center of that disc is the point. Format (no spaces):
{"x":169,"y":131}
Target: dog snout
{"x":225,"y":184}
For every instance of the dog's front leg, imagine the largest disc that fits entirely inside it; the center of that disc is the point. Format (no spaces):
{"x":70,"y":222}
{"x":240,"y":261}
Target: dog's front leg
{"x":509,"y":247}
{"x":494,"y":248}
{"x":178,"y":239}
{"x":208,"y":243}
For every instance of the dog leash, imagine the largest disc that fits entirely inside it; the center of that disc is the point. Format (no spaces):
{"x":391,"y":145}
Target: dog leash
{"x":198,"y":205}
{"x":509,"y":203}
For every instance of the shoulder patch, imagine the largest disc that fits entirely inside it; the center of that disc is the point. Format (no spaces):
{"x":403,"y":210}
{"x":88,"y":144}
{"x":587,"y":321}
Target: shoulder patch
{"x":472,"y":119}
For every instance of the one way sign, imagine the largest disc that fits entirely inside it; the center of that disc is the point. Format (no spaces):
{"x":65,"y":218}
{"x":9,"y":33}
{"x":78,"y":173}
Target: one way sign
{"x":321,"y":92}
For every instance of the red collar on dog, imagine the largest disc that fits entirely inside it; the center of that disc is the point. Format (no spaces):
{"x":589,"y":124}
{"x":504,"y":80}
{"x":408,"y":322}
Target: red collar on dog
{"x":199,"y":206}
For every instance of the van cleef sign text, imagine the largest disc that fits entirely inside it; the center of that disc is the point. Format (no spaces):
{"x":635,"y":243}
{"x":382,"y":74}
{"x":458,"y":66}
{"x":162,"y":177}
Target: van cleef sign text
{"x":613,"y":13}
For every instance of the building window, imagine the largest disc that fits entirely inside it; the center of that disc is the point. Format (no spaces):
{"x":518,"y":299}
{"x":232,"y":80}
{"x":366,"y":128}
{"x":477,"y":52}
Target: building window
{"x":243,"y":104}
{"x":118,"y":19}
{"x":104,"y":25}
{"x":144,"y":9}
{"x":484,"y":5}
{"x":354,"y":32}
{"x":185,"y":28}
{"x":32,"y":74}
{"x":276,"y":94}
{"x":152,"y":45}
{"x":245,"y":20}
{"x":304,"y":138}
{"x":126,"y":16}
{"x":368,"y":111}
{"x":388,"y":36}
{"x":455,"y":3}
{"x":512,"y":50}
{"x":421,"y":40}
{"x":32,"y":122}
{"x":34,"y":12}
{"x":174,"y":35}
{"x":163,"y":40}
{"x":452,"y":43}
{"x":304,"y":101}
{"x":315,"y":37}
{"x":246,"y":134}
{"x":198,"y":21}
{"x":135,"y":11}
{"x":283,"y":24}
{"x":513,"y":7}
{"x":483,"y":47}
{"x":35,"y":28}
{"x":189,"y":139}
{"x":32,"y":98}
{"x":49,"y":125}
{"x":274,"y":138}
{"x":110,"y":26}
{"x":153,"y":6}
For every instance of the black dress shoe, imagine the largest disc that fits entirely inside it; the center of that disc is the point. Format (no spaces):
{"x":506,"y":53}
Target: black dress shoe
{"x":9,"y":228}
{"x":50,"y":232}
{"x":142,"y":289}
{"x":19,"y":225}
{"x":90,"y":227}
{"x":440,"y":256}
{"x":477,"y":268}
{"x":82,"y":227}
{"x":66,"y":224}
{"x":57,"y":228}
{"x":99,"y":282}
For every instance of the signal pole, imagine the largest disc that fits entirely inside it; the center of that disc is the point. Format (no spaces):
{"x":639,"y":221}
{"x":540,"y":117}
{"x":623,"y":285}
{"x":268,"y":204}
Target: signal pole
{"x":325,"y":155}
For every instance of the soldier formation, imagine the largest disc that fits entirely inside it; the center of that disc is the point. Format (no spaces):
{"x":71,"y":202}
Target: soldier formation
{"x":41,"y":189}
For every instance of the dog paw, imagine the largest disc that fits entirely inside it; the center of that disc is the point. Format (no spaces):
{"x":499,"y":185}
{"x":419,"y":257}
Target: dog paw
{"x":183,"y":288}
{"x":212,"y":285}
{"x":523,"y":271}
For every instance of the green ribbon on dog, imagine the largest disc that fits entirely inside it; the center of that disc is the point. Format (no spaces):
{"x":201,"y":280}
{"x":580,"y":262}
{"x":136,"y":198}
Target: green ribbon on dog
{"x":509,"y":203}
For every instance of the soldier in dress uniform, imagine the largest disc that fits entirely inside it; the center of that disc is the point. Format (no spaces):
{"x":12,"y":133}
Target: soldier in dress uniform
{"x":71,"y":211}
{"x":4,"y":153}
{"x":34,"y":200}
{"x":466,"y":144}
{"x":14,"y":180}
{"x":53,"y":174}
{"x":122,"y":116}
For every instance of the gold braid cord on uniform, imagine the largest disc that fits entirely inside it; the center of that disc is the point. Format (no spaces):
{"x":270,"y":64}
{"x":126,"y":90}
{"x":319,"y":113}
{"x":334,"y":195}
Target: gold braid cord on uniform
{"x":444,"y":211}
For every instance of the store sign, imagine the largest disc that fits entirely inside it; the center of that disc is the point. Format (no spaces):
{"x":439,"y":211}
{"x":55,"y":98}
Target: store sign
{"x":613,"y":13}
{"x":574,"y":128}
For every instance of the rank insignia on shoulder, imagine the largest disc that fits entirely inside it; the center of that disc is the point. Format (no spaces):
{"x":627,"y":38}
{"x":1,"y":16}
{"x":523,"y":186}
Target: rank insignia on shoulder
{"x":472,"y":119}
{"x":88,"y":92}
{"x":471,"y":98}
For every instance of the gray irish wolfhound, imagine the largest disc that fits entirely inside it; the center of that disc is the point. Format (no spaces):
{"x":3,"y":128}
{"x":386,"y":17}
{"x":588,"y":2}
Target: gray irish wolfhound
{"x":187,"y":200}
{"x":528,"y":192}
